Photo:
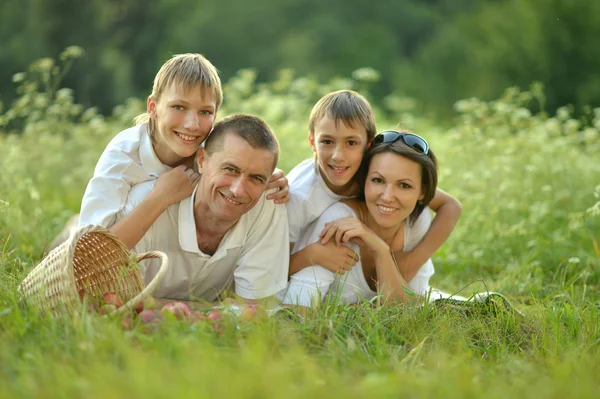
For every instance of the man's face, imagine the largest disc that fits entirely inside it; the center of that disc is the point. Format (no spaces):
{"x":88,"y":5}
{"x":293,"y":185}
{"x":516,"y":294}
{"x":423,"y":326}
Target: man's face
{"x":233,"y":178}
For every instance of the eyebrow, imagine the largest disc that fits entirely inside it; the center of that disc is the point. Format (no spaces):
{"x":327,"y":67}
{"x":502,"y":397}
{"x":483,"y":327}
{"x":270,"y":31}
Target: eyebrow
{"x":182,"y":101}
{"x":328,"y":136}
{"x":399,"y":180}
{"x":228,"y":164}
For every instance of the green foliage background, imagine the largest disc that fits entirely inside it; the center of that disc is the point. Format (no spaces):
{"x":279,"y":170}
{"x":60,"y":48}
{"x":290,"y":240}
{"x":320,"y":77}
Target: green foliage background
{"x":436,"y":51}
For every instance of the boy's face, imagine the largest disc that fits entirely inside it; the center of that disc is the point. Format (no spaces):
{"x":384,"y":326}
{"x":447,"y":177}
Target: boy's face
{"x":184,"y":118}
{"x":339,"y":151}
{"x":233,"y":178}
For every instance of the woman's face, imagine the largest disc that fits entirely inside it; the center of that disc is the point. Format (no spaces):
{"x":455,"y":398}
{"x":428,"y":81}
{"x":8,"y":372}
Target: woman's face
{"x":392,"y":188}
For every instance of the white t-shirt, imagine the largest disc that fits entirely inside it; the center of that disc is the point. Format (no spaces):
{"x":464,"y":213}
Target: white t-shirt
{"x":309,"y":197}
{"x":313,"y":283}
{"x":252,"y":258}
{"x":128,"y":159}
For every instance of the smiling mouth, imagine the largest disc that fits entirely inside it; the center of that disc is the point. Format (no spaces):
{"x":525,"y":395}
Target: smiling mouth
{"x":230,"y":200}
{"x":387,"y":210}
{"x":338,"y":170}
{"x":186,"y":138}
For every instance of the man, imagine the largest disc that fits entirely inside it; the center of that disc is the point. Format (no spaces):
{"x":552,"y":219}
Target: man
{"x":226,"y":234}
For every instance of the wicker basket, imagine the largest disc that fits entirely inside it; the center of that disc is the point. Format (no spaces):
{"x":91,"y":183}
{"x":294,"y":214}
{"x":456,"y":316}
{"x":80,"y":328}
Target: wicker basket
{"x":93,"y":261}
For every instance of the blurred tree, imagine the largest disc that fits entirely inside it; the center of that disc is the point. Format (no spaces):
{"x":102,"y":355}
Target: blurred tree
{"x":434,"y":50}
{"x":512,"y":43}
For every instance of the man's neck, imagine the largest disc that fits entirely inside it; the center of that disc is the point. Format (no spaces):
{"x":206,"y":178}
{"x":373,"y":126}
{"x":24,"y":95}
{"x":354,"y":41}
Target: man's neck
{"x":209,"y":230}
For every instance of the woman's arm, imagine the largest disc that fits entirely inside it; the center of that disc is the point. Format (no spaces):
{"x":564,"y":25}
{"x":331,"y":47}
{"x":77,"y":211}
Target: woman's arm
{"x":390,"y":282}
{"x":448,"y":211}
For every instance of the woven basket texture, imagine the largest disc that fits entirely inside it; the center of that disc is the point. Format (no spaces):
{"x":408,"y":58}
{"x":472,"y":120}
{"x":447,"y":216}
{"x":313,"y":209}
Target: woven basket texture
{"x":92,"y":262}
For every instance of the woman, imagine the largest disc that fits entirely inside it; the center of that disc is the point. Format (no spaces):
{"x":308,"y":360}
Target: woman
{"x":391,"y":215}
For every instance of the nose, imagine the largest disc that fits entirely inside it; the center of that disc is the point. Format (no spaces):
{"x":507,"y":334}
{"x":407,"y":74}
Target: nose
{"x":191,"y":121}
{"x":238,"y":187}
{"x":338,"y":154}
{"x":388,"y":193}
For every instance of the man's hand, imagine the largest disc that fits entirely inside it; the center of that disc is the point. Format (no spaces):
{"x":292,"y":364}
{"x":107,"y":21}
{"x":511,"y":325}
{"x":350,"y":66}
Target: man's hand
{"x":278,"y":180}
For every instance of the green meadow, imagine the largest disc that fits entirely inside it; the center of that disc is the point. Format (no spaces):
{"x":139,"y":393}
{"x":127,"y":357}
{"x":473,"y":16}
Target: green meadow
{"x":529,"y":183}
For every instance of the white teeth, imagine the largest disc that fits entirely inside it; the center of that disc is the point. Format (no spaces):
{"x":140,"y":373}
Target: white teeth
{"x":230,"y":200}
{"x":386,"y":209}
{"x":185,"y":136}
{"x":338,"y":168}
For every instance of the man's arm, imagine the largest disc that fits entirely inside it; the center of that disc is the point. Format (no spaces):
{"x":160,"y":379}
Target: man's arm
{"x":448,"y":211}
{"x":263,"y":265}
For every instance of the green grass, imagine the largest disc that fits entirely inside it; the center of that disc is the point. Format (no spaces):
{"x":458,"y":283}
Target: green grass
{"x":526,"y":183}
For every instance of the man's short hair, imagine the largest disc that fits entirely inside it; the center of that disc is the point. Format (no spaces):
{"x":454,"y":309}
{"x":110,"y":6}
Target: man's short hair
{"x":251,"y":128}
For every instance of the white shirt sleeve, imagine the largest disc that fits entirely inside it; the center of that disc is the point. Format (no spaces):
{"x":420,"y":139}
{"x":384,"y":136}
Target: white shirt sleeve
{"x":264,"y":265}
{"x":107,"y":191}
{"x":299,"y":216}
{"x":311,"y":284}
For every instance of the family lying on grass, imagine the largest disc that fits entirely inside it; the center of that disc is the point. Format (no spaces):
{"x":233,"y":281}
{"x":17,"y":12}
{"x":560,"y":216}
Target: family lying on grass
{"x":356,"y":218}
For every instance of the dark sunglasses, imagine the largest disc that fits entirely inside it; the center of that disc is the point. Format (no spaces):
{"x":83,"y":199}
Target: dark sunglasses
{"x":412,"y":140}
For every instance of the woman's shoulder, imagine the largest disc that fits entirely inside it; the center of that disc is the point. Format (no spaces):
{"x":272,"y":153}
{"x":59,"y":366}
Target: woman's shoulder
{"x":358,"y":207}
{"x":342,"y":209}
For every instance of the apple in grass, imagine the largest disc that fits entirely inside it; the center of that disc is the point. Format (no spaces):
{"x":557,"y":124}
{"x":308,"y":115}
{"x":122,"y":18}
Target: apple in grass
{"x":214,"y":315}
{"x":196,"y":316}
{"x":147,"y":303}
{"x":179,"y":309}
{"x":111,"y":298}
{"x":148,"y":316}
{"x":107,"y":309}
{"x":252,"y":312}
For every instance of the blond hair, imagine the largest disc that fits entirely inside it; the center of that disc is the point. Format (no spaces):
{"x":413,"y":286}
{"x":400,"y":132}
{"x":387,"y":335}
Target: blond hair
{"x":187,"y":71}
{"x":346,"y":106}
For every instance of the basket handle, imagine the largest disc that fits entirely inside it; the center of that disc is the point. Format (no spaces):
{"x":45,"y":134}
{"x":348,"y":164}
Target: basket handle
{"x":150,"y":287}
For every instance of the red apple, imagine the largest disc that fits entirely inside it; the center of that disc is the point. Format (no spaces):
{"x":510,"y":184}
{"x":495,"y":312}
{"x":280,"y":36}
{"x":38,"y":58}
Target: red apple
{"x":248,"y":313}
{"x":214,"y":315}
{"x":111,"y":298}
{"x":147,"y":303}
{"x":179,"y":309}
{"x":195,"y":317}
{"x":252,"y":312}
{"x":127,"y":322}
{"x":107,"y":309}
{"x":148,"y":316}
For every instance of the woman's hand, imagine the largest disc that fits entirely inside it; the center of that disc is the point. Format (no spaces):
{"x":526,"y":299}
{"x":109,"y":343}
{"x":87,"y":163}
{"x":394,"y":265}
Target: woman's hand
{"x":352,"y":229}
{"x":278,"y":180}
{"x":175,"y":185}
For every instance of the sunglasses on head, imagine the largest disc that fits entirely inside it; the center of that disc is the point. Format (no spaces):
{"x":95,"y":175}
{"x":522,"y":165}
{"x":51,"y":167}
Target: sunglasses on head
{"x":412,"y":140}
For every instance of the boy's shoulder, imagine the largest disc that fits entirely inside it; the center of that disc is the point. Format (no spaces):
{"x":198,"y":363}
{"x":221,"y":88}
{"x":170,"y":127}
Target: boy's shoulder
{"x":304,"y":173}
{"x":129,"y":139}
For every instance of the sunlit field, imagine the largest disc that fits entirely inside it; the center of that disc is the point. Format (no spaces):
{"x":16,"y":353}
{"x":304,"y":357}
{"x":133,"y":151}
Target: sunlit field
{"x":530,"y":229}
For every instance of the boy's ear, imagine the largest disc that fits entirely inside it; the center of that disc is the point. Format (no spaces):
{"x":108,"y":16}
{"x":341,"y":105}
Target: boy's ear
{"x":151,"y":107}
{"x":311,"y":140}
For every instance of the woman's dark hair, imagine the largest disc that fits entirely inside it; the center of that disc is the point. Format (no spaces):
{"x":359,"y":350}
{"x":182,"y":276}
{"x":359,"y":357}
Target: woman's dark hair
{"x":429,"y":175}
